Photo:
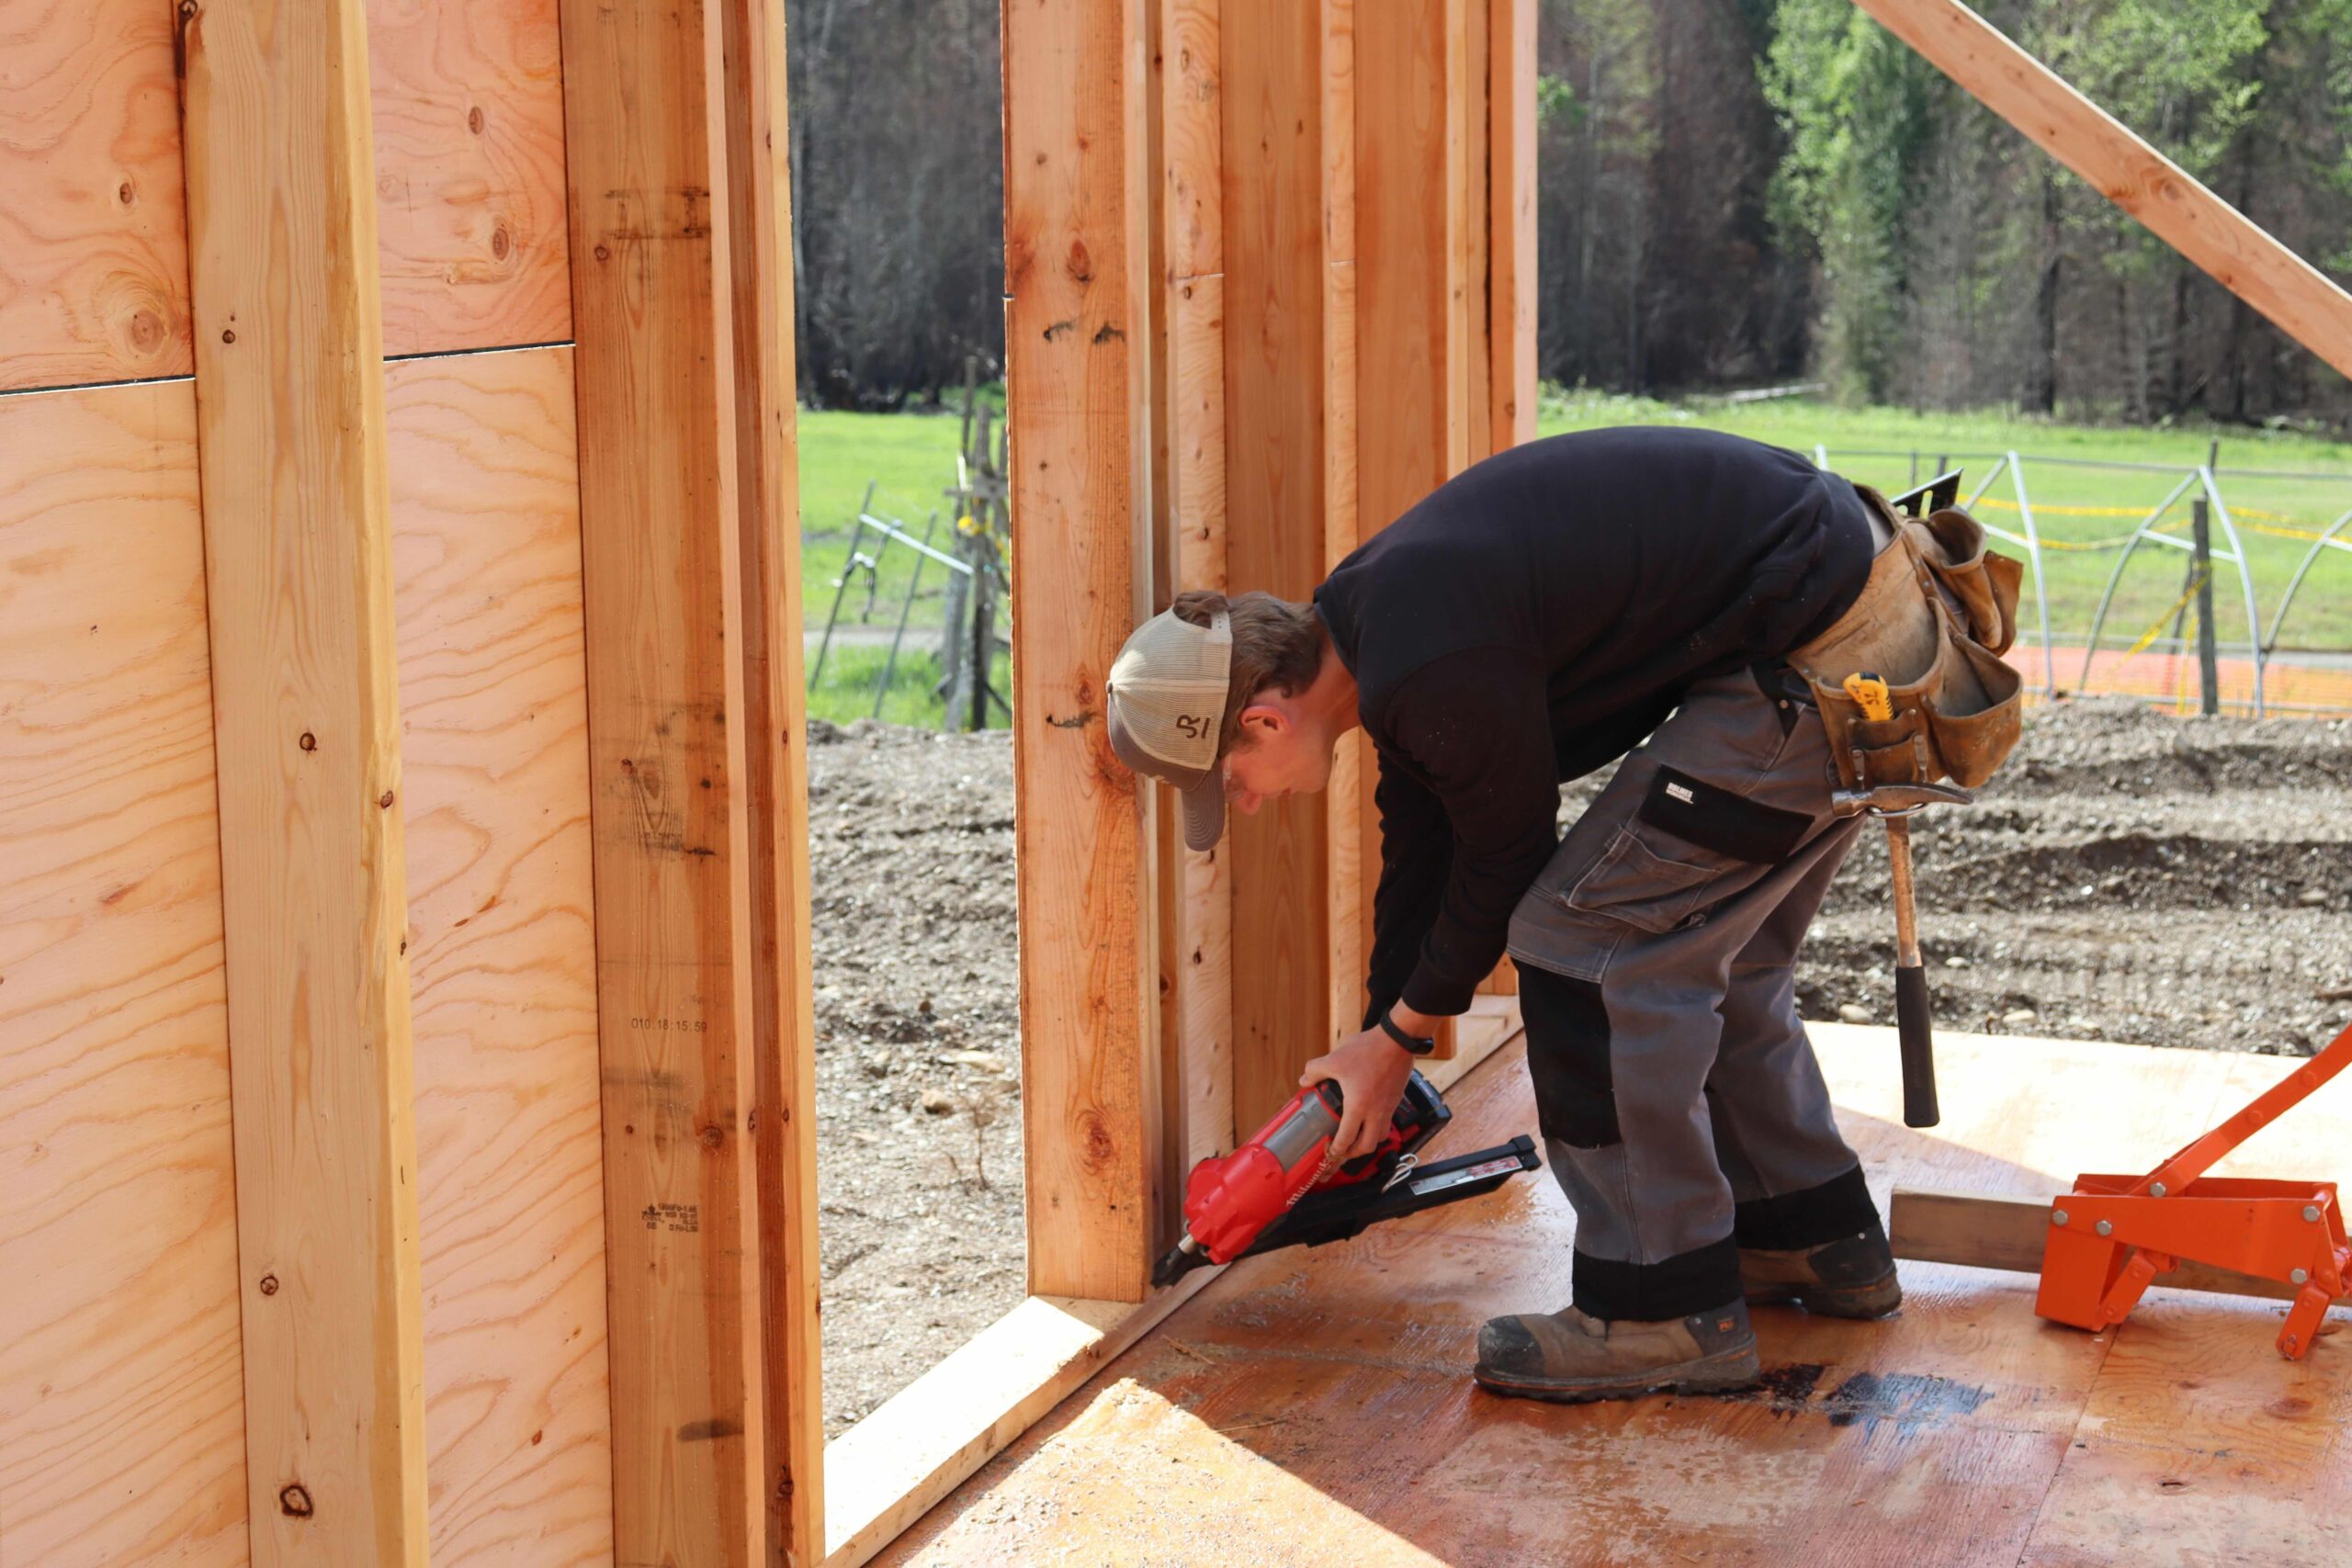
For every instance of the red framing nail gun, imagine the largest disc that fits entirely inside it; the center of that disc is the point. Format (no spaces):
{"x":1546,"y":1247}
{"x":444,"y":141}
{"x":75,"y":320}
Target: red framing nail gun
{"x":1281,"y":1187}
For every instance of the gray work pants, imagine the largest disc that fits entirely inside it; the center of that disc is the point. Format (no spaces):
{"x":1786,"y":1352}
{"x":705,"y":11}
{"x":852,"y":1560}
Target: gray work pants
{"x":1679,"y":1101}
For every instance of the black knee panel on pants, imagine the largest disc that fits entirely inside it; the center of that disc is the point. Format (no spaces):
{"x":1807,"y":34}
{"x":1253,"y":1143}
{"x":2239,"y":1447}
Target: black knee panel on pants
{"x":1689,"y":1283}
{"x":1567,"y":1057}
{"x":1840,"y":1207}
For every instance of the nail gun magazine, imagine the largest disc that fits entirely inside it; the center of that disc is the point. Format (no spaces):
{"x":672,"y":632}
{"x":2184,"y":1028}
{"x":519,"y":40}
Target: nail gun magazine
{"x":1281,"y":1189}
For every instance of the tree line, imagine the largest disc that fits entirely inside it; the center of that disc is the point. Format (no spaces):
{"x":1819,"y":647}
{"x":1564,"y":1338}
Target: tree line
{"x":1732,"y":193}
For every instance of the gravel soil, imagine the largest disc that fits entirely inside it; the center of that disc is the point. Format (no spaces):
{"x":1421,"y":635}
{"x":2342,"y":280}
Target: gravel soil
{"x":2131,"y":875}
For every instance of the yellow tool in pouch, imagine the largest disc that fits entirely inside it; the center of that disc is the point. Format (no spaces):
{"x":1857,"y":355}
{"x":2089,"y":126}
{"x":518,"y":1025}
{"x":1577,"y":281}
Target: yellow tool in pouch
{"x":1869,"y":692}
{"x":1944,"y":608}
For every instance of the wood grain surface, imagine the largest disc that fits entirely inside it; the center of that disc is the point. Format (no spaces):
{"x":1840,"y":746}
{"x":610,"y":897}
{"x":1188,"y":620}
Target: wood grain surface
{"x":1510,"y":205}
{"x":1347,"y":799}
{"x":768,"y":688}
{"x":468,"y":98}
{"x":468,"y":112}
{"x":658,"y":498}
{"x":1198,"y":940}
{"x":121,"y":1401}
{"x":501,"y":947}
{"x":1962,"y":1431}
{"x":1273,"y":390}
{"x":298,"y":564}
{"x":1074,"y":310}
{"x":93,"y":232}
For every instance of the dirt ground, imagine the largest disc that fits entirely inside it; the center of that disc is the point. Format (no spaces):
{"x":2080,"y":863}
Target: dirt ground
{"x":2131,"y":876}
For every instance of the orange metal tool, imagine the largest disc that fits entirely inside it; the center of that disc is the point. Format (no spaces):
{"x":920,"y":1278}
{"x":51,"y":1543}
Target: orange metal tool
{"x":2113,"y":1236}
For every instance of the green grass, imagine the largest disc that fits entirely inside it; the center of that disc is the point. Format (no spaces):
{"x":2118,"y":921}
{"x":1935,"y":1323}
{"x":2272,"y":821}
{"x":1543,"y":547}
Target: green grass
{"x":845,"y":691}
{"x":911,"y":460}
{"x":2153,"y":582}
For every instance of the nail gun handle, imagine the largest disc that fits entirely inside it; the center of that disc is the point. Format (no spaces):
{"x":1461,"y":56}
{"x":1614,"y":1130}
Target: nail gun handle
{"x":1919,"y":1108}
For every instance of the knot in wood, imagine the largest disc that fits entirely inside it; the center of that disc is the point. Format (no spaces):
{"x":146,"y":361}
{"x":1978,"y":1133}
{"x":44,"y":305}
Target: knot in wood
{"x":269,"y":1284}
{"x":294,"y":1501}
{"x":711,"y":1137}
{"x":309,"y":742}
{"x":1096,"y":1137}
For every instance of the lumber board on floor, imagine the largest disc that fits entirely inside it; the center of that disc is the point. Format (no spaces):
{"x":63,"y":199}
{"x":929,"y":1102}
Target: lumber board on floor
{"x":1988,"y":1231}
{"x":1962,"y":1431}
{"x":1074,"y":313}
{"x":2240,"y":256}
{"x":121,"y":1404}
{"x":502,"y":940}
{"x":768,"y":688}
{"x":659,"y":493}
{"x":93,"y":227}
{"x":890,"y":1468}
{"x":291,"y":446}
{"x":1274,"y":530}
{"x":468,"y":100}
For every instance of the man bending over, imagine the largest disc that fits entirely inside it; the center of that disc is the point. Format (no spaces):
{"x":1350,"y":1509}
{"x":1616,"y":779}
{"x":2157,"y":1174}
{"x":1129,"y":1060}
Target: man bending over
{"x":1633,"y":593}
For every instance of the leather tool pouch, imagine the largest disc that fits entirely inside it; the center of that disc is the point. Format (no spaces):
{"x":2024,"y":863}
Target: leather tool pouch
{"x":1957,"y":705}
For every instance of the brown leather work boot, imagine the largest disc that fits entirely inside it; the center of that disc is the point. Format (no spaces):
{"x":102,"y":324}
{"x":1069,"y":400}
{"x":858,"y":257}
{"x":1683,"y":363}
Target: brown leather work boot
{"x":1567,"y":1356}
{"x":1852,"y":1277}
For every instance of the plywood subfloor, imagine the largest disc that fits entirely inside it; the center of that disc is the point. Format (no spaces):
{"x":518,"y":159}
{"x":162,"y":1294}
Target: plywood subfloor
{"x":1314,"y":1408}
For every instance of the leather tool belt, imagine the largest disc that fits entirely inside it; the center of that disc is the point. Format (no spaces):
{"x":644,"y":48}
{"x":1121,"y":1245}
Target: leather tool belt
{"x":1932,"y":621}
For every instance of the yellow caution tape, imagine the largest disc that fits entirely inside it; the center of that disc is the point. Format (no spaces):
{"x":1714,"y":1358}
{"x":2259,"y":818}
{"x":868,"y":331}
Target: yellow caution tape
{"x":2253,"y":519}
{"x":2179,"y":604}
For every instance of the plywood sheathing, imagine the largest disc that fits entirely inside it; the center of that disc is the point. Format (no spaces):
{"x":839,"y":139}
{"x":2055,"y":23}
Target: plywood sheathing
{"x":111,"y":992}
{"x":121,"y":1404}
{"x":93,"y":228}
{"x":1075,"y":312}
{"x":467,"y":111}
{"x":468,"y":98}
{"x":1315,"y":1406}
{"x":486,"y":583}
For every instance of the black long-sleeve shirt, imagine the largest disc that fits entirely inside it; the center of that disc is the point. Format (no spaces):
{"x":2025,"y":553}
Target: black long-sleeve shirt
{"x":1534,"y":618}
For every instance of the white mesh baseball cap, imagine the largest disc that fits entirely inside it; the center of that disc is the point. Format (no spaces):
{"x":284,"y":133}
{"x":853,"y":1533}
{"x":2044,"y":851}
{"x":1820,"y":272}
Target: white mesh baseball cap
{"x":1166,"y":702}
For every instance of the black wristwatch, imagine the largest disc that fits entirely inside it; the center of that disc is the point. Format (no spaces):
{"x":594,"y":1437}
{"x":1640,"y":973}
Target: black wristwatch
{"x":1417,"y":1044}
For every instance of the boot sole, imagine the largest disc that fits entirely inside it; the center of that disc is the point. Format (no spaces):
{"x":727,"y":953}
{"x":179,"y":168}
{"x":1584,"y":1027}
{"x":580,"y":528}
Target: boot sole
{"x":1727,"y":1371}
{"x":1876,"y":1299}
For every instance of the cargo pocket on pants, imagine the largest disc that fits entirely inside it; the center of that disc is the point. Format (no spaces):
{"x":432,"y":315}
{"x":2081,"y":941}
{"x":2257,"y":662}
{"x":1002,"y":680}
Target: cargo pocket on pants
{"x":1573,"y":929}
{"x":1635,"y":884}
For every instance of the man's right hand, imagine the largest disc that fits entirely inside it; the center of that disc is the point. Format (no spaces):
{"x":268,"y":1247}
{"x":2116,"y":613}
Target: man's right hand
{"x":1372,"y":1071}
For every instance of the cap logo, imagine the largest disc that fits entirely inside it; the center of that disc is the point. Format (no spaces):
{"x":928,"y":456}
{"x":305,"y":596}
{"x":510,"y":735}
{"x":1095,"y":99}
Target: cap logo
{"x":1194,"y":726}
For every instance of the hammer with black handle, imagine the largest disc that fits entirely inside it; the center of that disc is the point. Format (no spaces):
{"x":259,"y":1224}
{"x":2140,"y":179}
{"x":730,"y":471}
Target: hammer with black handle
{"x":1894,"y":804}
